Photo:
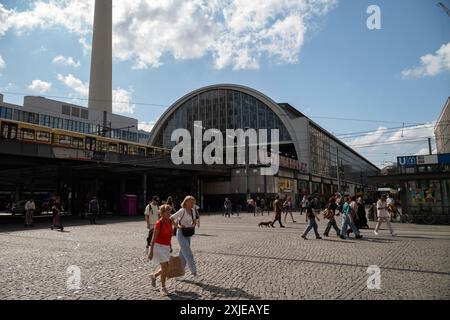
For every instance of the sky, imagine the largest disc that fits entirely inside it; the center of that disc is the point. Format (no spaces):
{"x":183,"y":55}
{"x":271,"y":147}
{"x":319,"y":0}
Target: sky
{"x":317,"y":55}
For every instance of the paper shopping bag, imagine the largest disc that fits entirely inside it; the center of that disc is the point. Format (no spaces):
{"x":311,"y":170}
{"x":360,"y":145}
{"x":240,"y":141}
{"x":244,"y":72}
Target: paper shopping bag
{"x":176,"y":269}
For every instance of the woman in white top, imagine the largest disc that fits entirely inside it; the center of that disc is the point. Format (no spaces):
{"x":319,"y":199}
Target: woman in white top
{"x":383,"y":215}
{"x":29,"y":209}
{"x":186,"y":221}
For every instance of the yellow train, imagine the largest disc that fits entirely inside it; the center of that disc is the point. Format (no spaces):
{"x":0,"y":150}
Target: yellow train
{"x":32,"y":133}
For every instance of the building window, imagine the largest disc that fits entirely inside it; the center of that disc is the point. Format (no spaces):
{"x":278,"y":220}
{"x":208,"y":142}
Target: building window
{"x":75,"y":112}
{"x":84,"y":114}
{"x":66,"y":109}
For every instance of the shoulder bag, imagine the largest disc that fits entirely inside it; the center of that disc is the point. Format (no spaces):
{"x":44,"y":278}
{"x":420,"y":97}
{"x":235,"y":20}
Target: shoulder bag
{"x":188,"y":231}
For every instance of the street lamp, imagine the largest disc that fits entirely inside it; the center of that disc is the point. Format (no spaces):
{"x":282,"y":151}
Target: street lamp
{"x":247,"y":158}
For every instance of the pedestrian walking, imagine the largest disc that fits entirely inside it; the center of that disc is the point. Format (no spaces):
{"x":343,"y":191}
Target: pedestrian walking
{"x":348,"y":220}
{"x":383,"y":215}
{"x":277,"y":208}
{"x":263,"y":206}
{"x":304,"y":204}
{"x":353,"y":215}
{"x":311,"y":217}
{"x":287,"y":206}
{"x":339,"y":204}
{"x":361,"y":214}
{"x":30,"y":206}
{"x":258,"y":206}
{"x":151,"y":214}
{"x":227,"y":207}
{"x":185,"y":220}
{"x":161,"y":247}
{"x":94,"y":210}
{"x":329,"y":214}
{"x":56,"y":216}
{"x":172,"y":204}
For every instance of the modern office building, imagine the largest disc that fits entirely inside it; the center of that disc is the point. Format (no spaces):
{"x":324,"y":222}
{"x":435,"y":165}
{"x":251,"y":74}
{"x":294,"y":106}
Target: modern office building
{"x":442,"y":130}
{"x":62,"y":115}
{"x":312,"y":160}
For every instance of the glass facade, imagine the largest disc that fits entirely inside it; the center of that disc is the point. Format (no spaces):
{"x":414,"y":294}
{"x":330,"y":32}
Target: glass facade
{"x":222,"y":109}
{"x":65,"y":124}
{"x":325,"y":152}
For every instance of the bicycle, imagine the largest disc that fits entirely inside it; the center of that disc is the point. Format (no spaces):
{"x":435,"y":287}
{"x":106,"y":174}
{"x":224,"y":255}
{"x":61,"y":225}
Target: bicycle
{"x":419,"y":218}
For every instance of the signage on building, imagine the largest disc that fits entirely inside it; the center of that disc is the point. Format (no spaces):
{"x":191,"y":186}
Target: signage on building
{"x":429,"y":159}
{"x":407,"y":161}
{"x":74,"y":154}
{"x":285,"y":185}
{"x":292,"y":164}
{"x":412,"y":161}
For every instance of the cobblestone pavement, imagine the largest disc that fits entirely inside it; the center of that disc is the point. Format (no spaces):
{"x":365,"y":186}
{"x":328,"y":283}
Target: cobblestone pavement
{"x":235,"y":258}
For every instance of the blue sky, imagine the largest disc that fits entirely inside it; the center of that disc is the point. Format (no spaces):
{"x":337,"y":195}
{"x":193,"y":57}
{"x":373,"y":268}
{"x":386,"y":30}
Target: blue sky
{"x":317,"y":55}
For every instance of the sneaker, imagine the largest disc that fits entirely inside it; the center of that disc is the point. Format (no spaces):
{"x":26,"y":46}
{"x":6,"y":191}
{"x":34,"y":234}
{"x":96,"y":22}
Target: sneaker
{"x":294,"y":221}
{"x":325,"y":235}
{"x":342,"y":237}
{"x":153,"y":279}
{"x":282,"y":227}
{"x":376,"y":233}
{"x":304,"y":237}
{"x":359,"y":236}
{"x":319,"y":238}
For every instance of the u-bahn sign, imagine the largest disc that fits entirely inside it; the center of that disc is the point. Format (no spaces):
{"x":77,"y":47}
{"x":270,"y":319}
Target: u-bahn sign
{"x":412,"y":161}
{"x":408,"y":161}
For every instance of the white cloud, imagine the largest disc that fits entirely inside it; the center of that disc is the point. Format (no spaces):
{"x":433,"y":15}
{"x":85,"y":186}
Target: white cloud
{"x":75,"y":84}
{"x":69,"y":61}
{"x":236,"y":33}
{"x":121,"y":97}
{"x":386,"y":144}
{"x":40,"y":86}
{"x":122,"y":101}
{"x":431,"y":64}
{"x":85,"y":45}
{"x":2,"y":64}
{"x":146,"y":126}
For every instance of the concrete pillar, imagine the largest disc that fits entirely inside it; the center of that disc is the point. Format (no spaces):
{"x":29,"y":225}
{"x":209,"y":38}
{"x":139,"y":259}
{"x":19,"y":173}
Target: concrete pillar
{"x":144,"y":190}
{"x":100,"y":86}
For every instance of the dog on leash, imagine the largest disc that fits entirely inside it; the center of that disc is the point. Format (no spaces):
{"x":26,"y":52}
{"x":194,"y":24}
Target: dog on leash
{"x":265,"y":224}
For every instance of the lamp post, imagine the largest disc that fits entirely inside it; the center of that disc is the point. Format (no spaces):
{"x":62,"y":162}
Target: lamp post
{"x":246,"y":166}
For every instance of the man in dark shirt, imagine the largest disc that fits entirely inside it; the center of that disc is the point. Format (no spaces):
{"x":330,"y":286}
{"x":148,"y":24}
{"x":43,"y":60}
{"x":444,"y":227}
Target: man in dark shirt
{"x":311,"y":219}
{"x":94,"y":209}
{"x":277,"y":208}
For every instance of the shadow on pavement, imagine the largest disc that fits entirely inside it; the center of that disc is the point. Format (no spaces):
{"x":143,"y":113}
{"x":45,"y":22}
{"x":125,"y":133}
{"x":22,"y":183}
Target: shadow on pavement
{"x":182,"y":295}
{"x":16,"y":223}
{"x":222,"y":292}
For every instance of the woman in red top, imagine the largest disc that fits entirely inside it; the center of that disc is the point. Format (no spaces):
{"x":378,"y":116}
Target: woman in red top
{"x":160,"y":246}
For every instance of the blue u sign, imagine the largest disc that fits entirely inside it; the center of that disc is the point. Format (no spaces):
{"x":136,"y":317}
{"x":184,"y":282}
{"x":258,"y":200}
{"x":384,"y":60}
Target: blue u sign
{"x":407,"y":161}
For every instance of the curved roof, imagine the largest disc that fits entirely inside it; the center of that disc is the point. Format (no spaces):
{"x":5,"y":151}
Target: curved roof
{"x":277,"y":109}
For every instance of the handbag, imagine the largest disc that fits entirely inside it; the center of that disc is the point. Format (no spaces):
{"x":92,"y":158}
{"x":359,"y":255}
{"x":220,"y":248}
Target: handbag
{"x":176,"y":268}
{"x":187,"y":231}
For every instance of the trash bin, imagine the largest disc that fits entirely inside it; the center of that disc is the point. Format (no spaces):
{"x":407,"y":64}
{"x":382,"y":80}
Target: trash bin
{"x":128,"y":205}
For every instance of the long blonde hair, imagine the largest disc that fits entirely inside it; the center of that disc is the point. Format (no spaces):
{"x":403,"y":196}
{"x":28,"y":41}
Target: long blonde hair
{"x":188,"y":198}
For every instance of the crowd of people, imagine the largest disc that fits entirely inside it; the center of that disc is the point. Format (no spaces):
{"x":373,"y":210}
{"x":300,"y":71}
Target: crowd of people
{"x":165,"y":219}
